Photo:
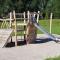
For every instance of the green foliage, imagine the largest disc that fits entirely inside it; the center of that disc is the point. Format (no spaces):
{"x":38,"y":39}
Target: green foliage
{"x":53,"y":6}
{"x":44,"y":6}
{"x":57,"y":9}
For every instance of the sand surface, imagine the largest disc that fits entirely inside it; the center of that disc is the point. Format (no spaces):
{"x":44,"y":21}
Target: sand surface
{"x":31,"y":51}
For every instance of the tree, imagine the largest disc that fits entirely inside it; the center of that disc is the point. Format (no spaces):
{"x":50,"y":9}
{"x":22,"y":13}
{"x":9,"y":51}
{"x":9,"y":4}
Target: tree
{"x":56,"y":9}
{"x":10,"y":5}
{"x":44,"y":6}
{"x":4,"y":6}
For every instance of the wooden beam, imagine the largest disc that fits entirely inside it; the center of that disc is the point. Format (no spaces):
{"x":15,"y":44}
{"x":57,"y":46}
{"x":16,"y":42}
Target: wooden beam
{"x":24,"y":18}
{"x":28,"y":14}
{"x":38,"y":16}
{"x":15,"y":28}
{"x":51,"y":22}
{"x":10,"y":19}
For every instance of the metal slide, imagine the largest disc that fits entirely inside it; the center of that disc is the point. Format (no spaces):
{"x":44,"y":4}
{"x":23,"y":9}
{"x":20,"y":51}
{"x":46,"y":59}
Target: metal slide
{"x":38,"y":26}
{"x":45,"y":32}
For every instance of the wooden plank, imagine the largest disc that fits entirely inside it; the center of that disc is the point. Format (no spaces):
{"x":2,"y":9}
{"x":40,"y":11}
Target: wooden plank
{"x":15,"y":28}
{"x":5,"y":34}
{"x":21,"y":18}
{"x":22,"y":24}
{"x":6,"y":19}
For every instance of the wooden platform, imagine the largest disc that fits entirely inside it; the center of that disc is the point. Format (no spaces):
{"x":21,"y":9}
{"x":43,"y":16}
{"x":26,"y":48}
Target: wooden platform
{"x":5,"y":34}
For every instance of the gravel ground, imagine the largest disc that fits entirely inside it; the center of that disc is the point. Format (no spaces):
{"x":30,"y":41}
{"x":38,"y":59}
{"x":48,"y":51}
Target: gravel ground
{"x":39,"y":51}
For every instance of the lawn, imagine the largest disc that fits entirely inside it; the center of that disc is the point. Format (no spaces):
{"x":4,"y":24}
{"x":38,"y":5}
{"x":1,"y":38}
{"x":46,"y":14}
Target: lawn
{"x":55,"y":58}
{"x":55,"y":25}
{"x":46,"y":24}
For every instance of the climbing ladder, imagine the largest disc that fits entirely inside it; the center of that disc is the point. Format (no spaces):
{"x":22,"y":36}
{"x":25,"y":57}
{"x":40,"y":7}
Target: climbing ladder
{"x":19,"y":24}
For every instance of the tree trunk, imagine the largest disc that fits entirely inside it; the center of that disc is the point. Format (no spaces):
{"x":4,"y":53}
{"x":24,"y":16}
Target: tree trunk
{"x":30,"y":33}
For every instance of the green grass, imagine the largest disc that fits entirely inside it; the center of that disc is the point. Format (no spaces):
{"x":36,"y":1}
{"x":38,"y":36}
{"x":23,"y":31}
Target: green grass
{"x":55,"y":25}
{"x":46,"y":24}
{"x":55,"y":58}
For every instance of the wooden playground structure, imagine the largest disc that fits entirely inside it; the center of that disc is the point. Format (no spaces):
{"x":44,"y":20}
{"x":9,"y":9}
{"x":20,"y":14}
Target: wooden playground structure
{"x":18,"y":22}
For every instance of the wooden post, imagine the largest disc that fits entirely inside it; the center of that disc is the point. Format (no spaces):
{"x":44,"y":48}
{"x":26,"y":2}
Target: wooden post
{"x":24,"y":18}
{"x":38,"y":16}
{"x":28,"y":14}
{"x":51,"y":22}
{"x":24,"y":28}
{"x":11,"y":23}
{"x":24,"y":33}
{"x":34,"y":14}
{"x":15,"y":28}
{"x":10,"y":19}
